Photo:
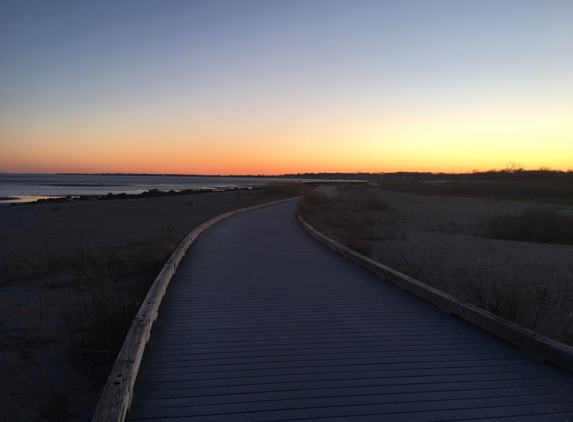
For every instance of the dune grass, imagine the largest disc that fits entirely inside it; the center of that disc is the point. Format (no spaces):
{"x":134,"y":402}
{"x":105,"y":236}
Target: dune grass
{"x":358,"y":219}
{"x":286,"y":189}
{"x":349,"y":219}
{"x":104,"y":292}
{"x":533,"y":225}
{"x":552,"y":192}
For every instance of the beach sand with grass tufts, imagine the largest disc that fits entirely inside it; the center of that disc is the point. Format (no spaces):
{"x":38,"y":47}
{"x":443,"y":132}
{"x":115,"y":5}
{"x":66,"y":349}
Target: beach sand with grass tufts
{"x":72,"y":276}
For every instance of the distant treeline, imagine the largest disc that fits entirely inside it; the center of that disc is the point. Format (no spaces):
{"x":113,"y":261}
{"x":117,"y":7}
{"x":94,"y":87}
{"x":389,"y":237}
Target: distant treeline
{"x":343,"y":176}
{"x":512,"y":173}
{"x":512,"y":183}
{"x":519,"y":175}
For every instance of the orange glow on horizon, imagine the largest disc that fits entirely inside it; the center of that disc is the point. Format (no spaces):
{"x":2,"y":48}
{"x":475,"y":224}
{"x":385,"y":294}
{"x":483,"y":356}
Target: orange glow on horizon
{"x":454,"y":143}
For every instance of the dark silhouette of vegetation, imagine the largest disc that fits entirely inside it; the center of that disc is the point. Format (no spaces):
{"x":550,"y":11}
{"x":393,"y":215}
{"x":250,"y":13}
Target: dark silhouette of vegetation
{"x":512,"y":183}
{"x":285,"y":189}
{"x":373,"y":203}
{"x":512,"y":173}
{"x":541,"y":192}
{"x":105,"y":292}
{"x":348,"y":220}
{"x":533,"y":225}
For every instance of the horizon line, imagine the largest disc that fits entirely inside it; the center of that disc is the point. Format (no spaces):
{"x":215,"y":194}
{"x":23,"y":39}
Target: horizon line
{"x":284,"y":175}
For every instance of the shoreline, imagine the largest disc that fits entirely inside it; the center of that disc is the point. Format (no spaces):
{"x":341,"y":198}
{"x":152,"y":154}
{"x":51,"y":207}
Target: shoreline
{"x":112,"y":196}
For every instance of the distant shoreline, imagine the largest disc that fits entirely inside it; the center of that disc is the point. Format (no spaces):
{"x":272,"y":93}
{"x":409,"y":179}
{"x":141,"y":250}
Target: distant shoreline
{"x":507,"y":174}
{"x":152,"y":193}
{"x":340,"y":176}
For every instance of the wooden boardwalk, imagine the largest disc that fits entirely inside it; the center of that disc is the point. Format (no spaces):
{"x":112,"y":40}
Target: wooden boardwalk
{"x":263,"y":323}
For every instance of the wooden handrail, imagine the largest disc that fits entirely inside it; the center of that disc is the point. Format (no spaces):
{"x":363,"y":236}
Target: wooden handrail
{"x":540,"y":347}
{"x":118,"y":390}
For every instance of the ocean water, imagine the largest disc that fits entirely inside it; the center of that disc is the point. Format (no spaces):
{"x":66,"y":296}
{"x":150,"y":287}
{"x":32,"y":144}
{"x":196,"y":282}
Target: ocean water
{"x":30,"y":187}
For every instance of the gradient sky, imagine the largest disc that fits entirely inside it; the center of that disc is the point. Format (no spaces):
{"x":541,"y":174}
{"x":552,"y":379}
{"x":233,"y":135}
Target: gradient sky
{"x":253,"y":87}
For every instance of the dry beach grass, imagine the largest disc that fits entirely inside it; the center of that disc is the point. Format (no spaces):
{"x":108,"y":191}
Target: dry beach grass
{"x":72,"y":278}
{"x":455,"y":244}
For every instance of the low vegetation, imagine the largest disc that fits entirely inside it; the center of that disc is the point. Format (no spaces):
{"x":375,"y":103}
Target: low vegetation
{"x":559,"y":193}
{"x":286,"y":189}
{"x":105,"y":291}
{"x":533,"y":225}
{"x":350,"y":219}
{"x":514,"y":182}
{"x":359,"y":219}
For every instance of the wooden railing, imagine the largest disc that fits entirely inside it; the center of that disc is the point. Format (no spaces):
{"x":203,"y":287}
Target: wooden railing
{"x":118,"y":390}
{"x":531,"y":343}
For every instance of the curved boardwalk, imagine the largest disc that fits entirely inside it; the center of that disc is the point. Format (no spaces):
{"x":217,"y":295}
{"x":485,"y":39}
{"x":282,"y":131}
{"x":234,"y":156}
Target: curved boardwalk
{"x":263,"y":323}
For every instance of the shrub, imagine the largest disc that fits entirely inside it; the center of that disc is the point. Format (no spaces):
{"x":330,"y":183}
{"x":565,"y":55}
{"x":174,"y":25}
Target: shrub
{"x":373,"y":203}
{"x":554,"y":192}
{"x":310,"y":201}
{"x":357,"y":243}
{"x":533,"y":225}
{"x":286,"y":189}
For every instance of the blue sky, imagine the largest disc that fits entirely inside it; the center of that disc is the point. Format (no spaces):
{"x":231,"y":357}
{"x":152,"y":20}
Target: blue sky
{"x":300,"y":85}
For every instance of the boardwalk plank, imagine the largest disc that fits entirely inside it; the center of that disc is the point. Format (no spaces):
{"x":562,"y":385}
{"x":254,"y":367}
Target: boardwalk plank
{"x":262,"y":323}
{"x":155,"y":398}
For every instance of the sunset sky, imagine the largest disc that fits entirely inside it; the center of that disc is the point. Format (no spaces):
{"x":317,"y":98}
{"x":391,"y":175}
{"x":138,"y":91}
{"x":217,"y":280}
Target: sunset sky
{"x":273,"y":87}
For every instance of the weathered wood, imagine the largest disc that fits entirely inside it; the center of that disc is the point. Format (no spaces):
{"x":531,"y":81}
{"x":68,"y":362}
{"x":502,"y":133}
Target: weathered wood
{"x":261,"y":323}
{"x":118,"y":391}
{"x":528,"y":341}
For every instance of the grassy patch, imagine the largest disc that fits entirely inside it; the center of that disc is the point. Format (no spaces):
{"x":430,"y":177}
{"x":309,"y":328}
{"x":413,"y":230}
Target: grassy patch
{"x":533,"y":225}
{"x":104,"y":292}
{"x":373,"y":203}
{"x":554,"y":192}
{"x":98,"y":302}
{"x":528,"y":305}
{"x":350,"y":219}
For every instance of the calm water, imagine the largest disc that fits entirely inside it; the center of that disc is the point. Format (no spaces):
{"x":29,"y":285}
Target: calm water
{"x":29,"y":187}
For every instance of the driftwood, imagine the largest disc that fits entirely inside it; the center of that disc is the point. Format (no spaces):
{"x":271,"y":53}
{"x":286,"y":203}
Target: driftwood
{"x":531,"y":343}
{"x":118,"y":391}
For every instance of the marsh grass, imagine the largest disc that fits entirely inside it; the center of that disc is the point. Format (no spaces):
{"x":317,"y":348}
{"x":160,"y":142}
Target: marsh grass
{"x":360,"y":244}
{"x":533,"y":225}
{"x":351,"y":220}
{"x":551,"y":192}
{"x":13,"y":269}
{"x":407,"y":262}
{"x":97,"y":294}
{"x":105,"y":291}
{"x":373,"y":203}
{"x":286,"y":189}
{"x":527,"y":304}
